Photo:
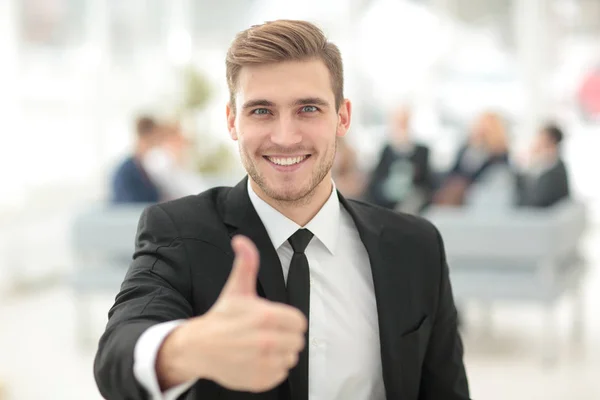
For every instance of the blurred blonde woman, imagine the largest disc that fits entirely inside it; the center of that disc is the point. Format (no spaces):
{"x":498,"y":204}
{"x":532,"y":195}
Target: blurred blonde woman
{"x":487,"y":147}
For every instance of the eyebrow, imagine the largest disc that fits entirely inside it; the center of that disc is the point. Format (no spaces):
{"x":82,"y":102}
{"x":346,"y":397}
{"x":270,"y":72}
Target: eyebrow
{"x":299,"y":102}
{"x":257,"y":103}
{"x":310,"y":101}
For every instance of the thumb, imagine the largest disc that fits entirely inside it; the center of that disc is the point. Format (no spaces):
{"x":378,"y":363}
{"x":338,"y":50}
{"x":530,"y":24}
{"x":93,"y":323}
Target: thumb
{"x":242,"y":279}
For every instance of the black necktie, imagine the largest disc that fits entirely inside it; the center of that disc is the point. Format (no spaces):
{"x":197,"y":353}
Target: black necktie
{"x":298,"y":290}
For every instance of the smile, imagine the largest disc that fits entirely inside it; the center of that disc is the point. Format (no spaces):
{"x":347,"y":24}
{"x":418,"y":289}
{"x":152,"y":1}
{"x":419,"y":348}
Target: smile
{"x":286,"y":161}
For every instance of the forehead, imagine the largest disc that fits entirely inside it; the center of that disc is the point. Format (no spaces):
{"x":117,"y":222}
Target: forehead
{"x":281,"y":82}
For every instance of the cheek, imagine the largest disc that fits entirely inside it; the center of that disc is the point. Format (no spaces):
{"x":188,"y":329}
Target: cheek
{"x":251,"y":137}
{"x":320,"y":130}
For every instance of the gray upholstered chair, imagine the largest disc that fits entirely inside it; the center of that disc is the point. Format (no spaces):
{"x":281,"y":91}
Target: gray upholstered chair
{"x":516,"y":254}
{"x":102,"y":240}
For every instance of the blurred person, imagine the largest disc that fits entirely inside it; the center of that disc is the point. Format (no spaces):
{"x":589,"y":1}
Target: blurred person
{"x":545,"y":180}
{"x":196,"y":311}
{"x":345,"y":171}
{"x":166,"y":164}
{"x":486,"y":149}
{"x":131,"y":182}
{"x":403,"y":167}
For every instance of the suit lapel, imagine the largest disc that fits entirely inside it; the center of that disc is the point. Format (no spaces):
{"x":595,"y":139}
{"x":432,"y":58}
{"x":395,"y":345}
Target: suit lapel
{"x":242,"y":219}
{"x":391,"y":261}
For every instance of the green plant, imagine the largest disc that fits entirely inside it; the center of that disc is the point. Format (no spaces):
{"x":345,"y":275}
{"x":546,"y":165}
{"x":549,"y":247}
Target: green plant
{"x":196,"y":90}
{"x":207,"y":157}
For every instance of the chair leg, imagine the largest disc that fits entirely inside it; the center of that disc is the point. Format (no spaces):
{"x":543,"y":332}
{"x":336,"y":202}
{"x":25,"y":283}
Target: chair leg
{"x":578,"y":310}
{"x":487,"y":318}
{"x":550,"y":345}
{"x":3,"y":390}
{"x":82,"y":321}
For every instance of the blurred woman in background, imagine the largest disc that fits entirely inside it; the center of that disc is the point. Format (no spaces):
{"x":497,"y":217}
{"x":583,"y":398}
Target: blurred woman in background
{"x":486,"y":148}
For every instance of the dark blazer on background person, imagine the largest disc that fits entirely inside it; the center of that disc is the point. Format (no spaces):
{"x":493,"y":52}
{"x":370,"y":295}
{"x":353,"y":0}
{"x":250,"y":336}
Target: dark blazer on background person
{"x":183,"y":258}
{"x":418,"y":157}
{"x":131,"y":184}
{"x":472,"y":175}
{"x":544,"y":189}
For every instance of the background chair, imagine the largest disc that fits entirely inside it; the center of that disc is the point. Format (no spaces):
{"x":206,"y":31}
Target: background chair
{"x":103,"y":240}
{"x":516,"y":255}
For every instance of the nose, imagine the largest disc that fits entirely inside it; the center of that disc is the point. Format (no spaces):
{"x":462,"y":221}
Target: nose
{"x":286,"y":133}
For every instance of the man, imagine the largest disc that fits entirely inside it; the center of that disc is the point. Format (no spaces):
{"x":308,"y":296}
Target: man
{"x":131,"y":182}
{"x":545,"y":181}
{"x":166,"y":165}
{"x":369,"y":288}
{"x":403,"y":170}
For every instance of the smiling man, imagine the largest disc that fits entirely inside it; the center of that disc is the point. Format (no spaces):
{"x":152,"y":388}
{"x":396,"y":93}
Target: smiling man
{"x":279,"y":288}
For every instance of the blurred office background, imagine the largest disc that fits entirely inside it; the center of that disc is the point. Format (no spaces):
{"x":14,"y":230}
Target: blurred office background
{"x":76,"y":76}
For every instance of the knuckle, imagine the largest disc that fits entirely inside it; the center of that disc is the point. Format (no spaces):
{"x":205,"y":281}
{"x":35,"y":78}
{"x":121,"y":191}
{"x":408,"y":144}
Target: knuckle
{"x":258,"y":383}
{"x":292,"y":359}
{"x":301,"y":322}
{"x":300,"y":343}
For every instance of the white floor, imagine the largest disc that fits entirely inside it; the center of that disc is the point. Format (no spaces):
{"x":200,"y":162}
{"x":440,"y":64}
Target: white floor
{"x":40,"y":359}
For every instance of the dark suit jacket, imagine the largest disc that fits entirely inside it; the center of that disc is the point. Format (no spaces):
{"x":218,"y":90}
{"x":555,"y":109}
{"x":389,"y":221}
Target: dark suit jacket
{"x":131,"y":184}
{"x":183,"y":258}
{"x":474,"y":175}
{"x":419,"y":159}
{"x":544,"y":190}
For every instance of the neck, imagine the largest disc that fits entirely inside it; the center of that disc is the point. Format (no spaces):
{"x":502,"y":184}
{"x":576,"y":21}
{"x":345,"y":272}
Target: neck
{"x":303,"y":210}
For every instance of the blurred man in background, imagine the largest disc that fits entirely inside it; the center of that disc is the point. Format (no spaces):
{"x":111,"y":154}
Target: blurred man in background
{"x":403,"y":168}
{"x":131,"y":182}
{"x":167,"y":164}
{"x":545,"y":179}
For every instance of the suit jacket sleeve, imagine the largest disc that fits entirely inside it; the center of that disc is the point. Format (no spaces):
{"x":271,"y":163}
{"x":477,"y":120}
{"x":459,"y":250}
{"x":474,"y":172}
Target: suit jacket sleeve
{"x":443,"y":375}
{"x":156,"y":289}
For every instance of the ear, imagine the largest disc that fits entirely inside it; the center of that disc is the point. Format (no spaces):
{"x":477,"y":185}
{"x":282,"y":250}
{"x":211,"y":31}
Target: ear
{"x":231,"y":122}
{"x":344,"y":117}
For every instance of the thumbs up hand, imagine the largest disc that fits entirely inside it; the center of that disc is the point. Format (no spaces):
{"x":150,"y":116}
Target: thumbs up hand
{"x":242,"y":280}
{"x":243,"y":342}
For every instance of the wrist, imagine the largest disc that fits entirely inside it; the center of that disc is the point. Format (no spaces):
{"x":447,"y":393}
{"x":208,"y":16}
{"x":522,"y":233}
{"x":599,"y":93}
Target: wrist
{"x":171,"y":364}
{"x":183,"y":356}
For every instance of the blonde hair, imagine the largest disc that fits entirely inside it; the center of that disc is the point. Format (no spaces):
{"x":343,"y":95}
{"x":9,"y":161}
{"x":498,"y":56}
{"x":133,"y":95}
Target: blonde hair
{"x":495,"y":136}
{"x":279,"y":41}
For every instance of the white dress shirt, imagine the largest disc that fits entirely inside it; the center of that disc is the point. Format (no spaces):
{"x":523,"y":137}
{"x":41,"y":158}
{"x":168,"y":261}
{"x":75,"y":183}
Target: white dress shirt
{"x":344,"y":348}
{"x":172,"y":180}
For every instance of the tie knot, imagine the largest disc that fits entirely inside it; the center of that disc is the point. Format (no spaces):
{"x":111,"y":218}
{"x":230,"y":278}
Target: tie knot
{"x":300,"y":240}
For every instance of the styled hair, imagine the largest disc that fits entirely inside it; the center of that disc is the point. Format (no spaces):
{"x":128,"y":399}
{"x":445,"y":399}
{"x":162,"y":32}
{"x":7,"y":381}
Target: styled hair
{"x":554,"y":133}
{"x":145,"y":125}
{"x":280,"y":41}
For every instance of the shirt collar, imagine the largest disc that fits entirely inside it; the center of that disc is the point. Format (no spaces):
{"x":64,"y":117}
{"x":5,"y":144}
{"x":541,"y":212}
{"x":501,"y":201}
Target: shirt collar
{"x":324,"y":225}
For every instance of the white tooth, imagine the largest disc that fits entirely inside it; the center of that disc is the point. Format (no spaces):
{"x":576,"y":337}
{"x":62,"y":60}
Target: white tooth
{"x":287,"y":161}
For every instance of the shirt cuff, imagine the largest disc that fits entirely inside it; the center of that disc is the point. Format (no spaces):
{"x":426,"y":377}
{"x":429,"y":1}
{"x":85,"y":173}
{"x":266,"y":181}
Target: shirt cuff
{"x":144,"y":361}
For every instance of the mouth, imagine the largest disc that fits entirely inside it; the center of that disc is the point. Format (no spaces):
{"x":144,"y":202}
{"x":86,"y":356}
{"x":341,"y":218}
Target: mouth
{"x":287,"y":163}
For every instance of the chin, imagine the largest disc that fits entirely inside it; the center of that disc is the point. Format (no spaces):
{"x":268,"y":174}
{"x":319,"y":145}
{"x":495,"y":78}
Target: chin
{"x":285,"y":190}
{"x":288,"y":192}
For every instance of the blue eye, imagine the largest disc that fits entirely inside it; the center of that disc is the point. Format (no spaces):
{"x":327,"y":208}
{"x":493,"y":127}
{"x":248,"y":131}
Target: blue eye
{"x":309,"y":109}
{"x":260,"y":111}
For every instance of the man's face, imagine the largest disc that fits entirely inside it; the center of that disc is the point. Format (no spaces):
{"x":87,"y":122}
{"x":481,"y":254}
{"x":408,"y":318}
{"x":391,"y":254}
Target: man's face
{"x":542,"y":144}
{"x":401,"y":124}
{"x":286,"y":125}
